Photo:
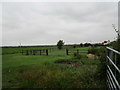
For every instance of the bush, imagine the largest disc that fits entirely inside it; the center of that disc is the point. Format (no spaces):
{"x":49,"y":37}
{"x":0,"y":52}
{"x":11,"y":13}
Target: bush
{"x":102,"y":67}
{"x":100,"y":51}
{"x":92,"y":50}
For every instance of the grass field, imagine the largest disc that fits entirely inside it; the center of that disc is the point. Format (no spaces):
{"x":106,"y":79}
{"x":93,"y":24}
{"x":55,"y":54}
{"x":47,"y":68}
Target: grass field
{"x":41,"y":71}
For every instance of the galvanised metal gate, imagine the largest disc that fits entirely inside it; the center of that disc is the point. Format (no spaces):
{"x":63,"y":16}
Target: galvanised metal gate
{"x":113,"y":72}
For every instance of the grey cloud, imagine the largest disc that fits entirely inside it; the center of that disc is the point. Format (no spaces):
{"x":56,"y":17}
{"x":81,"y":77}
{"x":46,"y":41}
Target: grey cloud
{"x":46,"y":23}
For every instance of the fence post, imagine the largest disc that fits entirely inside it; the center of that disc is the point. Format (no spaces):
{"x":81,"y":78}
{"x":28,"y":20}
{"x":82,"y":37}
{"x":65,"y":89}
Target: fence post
{"x":40,"y":52}
{"x":66,"y":51}
{"x":47,"y":52}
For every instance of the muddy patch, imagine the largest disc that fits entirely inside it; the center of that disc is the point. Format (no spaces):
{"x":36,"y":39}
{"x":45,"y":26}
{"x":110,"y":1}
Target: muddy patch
{"x":71,"y":63}
{"x":77,"y":64}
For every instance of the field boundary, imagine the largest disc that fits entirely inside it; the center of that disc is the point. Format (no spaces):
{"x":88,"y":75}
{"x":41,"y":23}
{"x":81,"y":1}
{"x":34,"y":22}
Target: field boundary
{"x":34,"y":52}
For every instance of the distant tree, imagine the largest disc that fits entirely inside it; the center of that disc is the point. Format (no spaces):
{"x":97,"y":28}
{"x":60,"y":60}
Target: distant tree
{"x":60,"y":43}
{"x":87,"y":44}
{"x":81,"y":45}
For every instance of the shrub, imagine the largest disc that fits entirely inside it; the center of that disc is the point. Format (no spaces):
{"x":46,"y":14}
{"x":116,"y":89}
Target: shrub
{"x":100,"y":51}
{"x":92,"y":50}
{"x":81,"y":45}
{"x":101,"y":67}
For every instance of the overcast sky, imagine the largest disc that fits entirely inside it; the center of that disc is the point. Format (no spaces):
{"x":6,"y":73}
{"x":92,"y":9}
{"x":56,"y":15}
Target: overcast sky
{"x":45,"y":23}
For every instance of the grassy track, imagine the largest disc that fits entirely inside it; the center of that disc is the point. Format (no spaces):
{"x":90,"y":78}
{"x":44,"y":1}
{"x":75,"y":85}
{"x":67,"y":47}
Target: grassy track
{"x":35,"y":71}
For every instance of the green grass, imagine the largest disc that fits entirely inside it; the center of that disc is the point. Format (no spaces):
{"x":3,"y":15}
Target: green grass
{"x":35,"y":71}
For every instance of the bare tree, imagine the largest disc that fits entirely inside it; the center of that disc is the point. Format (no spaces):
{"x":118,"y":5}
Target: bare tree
{"x":117,"y":31}
{"x":117,"y":42}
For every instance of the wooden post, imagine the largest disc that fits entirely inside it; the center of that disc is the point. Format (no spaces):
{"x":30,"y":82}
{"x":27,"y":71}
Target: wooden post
{"x":47,"y":52}
{"x":66,"y":51}
{"x":40,"y":52}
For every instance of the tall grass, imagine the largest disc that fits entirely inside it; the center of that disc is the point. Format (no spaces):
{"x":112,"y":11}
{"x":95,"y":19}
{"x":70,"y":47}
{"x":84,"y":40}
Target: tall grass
{"x":20,"y":71}
{"x":59,"y":76}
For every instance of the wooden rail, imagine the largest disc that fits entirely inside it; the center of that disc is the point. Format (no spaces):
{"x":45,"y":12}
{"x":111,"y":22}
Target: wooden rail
{"x":35,"y":52}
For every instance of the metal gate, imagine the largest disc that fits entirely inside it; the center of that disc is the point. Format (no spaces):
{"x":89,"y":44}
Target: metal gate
{"x":113,"y":71}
